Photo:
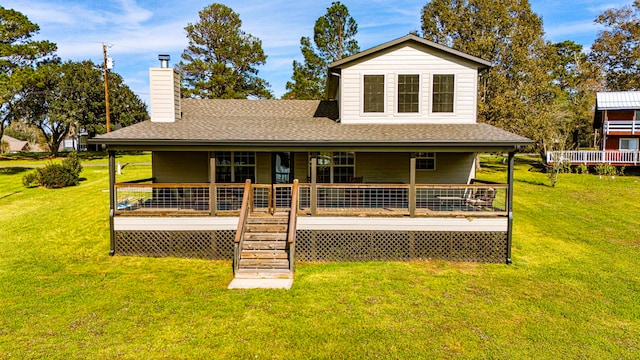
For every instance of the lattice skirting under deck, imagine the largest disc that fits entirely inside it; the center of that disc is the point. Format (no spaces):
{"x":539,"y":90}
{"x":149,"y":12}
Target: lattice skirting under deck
{"x":216,"y":245}
{"x":325,"y":245}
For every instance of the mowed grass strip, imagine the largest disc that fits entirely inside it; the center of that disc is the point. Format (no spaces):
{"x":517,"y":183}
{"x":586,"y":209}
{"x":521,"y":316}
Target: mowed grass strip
{"x":573,"y":290}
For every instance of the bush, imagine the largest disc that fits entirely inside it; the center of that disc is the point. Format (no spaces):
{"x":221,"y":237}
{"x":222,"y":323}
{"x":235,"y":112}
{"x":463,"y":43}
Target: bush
{"x":582,"y":169}
{"x":56,"y":175}
{"x":605,"y":169}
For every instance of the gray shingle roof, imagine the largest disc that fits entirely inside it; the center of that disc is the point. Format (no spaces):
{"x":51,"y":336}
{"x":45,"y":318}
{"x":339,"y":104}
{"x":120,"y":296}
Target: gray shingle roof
{"x":618,"y":100}
{"x":295,"y":122}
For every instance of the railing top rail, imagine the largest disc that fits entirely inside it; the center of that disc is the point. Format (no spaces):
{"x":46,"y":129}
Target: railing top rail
{"x":291,"y":236}
{"x":359,"y":185}
{"x":163,"y":185}
{"x":244,"y":211}
{"x":461,"y":186}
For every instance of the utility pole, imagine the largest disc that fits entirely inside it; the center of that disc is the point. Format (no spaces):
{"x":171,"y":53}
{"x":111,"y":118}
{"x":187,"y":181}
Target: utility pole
{"x":106,"y":87}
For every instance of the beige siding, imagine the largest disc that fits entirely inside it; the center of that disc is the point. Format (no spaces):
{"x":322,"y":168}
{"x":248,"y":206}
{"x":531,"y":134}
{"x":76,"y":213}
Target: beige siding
{"x":383,"y":167}
{"x":410,"y":60}
{"x":263,"y":168}
{"x":181,"y":167}
{"x":451,"y":168}
{"x":164,"y":84}
{"x":301,"y":166}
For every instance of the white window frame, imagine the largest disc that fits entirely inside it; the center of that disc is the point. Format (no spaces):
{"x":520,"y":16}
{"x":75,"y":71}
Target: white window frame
{"x":233,"y":165}
{"x":384,"y":95}
{"x":396,"y":94}
{"x":455,"y":94}
{"x":332,"y":164}
{"x":427,"y":156}
{"x":630,"y":141}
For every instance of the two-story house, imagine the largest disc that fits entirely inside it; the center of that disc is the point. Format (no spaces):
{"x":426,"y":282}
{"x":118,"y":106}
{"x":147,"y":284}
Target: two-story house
{"x":616,"y":121}
{"x":383,"y":169}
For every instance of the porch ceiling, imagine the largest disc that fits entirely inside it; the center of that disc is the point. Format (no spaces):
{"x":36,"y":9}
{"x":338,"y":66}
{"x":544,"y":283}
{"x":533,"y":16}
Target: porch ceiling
{"x":297,"y":123}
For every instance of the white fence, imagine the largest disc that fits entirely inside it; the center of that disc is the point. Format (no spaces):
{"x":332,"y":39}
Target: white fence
{"x":588,"y":157}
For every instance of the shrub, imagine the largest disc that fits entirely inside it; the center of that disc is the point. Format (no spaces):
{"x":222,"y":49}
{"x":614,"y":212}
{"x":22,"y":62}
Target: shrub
{"x":582,"y":169}
{"x":72,"y":164}
{"x":605,"y":169}
{"x":56,"y":175}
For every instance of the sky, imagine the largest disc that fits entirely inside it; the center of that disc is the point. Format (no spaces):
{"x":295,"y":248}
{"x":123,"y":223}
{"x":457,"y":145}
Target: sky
{"x":136,"y":31}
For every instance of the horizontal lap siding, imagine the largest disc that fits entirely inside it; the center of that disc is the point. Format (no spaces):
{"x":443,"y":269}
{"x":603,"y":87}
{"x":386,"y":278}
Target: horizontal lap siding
{"x":263,"y":168}
{"x":181,"y":166}
{"x":451,"y":168}
{"x":409,"y":60}
{"x":383,"y":167}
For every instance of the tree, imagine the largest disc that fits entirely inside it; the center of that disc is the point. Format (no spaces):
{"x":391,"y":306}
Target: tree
{"x":221,"y":59}
{"x":70,"y":96}
{"x":516,"y":93}
{"x":576,"y":81}
{"x":617,"y":48}
{"x":19,"y":54}
{"x":333,"y":36}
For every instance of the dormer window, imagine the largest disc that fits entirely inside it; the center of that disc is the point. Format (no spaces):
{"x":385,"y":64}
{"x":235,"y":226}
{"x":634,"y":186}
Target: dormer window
{"x":408,"y":93}
{"x":443,"y":93}
{"x":373,"y":93}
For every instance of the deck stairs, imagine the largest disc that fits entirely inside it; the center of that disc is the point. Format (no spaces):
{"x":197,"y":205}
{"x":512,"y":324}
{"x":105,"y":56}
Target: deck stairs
{"x":264,"y":249}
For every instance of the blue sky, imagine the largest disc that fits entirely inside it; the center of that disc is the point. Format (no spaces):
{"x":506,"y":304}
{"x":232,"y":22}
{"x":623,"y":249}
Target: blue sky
{"x":139,"y":30}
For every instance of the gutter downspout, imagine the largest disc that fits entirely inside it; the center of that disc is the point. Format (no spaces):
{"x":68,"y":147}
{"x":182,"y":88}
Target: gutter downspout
{"x":112,"y":202}
{"x":510,"y":205}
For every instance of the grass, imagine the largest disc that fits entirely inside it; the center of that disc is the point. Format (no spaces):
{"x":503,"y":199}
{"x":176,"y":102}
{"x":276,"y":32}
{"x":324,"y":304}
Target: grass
{"x":572,"y":291}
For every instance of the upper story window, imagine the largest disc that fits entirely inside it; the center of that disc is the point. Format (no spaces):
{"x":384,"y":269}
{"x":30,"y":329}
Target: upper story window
{"x":408,"y":93}
{"x":443,"y":91}
{"x":374,"y":93}
{"x":235,"y":166}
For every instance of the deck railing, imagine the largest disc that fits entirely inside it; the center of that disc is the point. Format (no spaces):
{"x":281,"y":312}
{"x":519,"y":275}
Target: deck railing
{"x":622,"y":126}
{"x":347,"y":199}
{"x":592,"y":157}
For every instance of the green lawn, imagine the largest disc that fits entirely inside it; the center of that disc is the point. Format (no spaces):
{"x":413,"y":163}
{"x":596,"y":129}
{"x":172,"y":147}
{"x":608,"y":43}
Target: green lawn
{"x":573,"y":290}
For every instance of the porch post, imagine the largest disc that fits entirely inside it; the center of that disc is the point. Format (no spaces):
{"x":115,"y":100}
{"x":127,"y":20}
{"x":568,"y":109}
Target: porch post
{"x":314,"y":192}
{"x":112,"y":201}
{"x":412,"y":185}
{"x":213,"y":196}
{"x":510,"y":205}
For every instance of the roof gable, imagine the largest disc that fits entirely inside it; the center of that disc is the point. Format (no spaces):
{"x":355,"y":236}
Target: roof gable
{"x":408,"y":39}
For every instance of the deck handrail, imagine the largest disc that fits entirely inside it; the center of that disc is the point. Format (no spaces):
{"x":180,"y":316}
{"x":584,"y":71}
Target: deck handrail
{"x":589,"y":157}
{"x":242,"y":220}
{"x":244,"y":211}
{"x":161,"y":185}
{"x":291,"y":237}
{"x":293,"y":216}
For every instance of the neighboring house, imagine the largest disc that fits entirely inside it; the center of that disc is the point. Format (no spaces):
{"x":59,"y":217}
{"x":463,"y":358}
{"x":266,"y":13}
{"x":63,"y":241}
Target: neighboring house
{"x":385,"y":169}
{"x":617,"y":122}
{"x":14,"y":144}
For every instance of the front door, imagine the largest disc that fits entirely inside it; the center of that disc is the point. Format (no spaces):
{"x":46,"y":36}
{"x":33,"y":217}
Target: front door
{"x":282,"y":168}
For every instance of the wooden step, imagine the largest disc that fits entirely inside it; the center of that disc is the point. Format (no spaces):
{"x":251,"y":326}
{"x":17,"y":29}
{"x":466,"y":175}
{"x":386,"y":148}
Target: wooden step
{"x":264,"y":245}
{"x":263,"y":274}
{"x":263,"y":264}
{"x":263,"y":254}
{"x":269,"y":227}
{"x":267,"y":220}
{"x":259,"y":236}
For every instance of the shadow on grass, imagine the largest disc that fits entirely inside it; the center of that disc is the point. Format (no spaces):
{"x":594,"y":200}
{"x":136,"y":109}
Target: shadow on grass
{"x":7,"y":195}
{"x":14,"y":170}
{"x":536,"y":183}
